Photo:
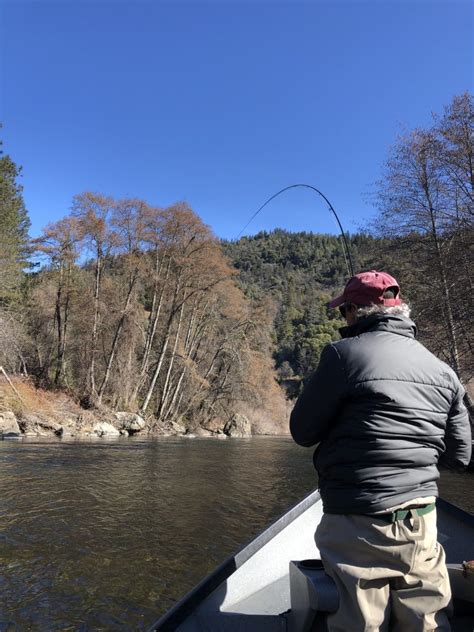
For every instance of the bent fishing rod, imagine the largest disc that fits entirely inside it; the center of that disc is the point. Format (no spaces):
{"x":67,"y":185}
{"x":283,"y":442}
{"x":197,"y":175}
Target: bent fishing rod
{"x":346,"y":251}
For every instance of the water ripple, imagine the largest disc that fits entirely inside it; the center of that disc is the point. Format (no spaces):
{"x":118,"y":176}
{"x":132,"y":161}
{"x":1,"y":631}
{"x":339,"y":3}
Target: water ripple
{"x":107,"y":535}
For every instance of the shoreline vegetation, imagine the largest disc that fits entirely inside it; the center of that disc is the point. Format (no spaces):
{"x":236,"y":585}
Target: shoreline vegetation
{"x":28,"y":411}
{"x":123,"y":317}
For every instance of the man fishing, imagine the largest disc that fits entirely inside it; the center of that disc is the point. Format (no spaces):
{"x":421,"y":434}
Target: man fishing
{"x":384,"y":412}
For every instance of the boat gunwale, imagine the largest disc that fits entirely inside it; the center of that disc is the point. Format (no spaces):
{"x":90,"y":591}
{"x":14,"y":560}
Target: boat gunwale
{"x":185,"y":606}
{"x":455,"y":512}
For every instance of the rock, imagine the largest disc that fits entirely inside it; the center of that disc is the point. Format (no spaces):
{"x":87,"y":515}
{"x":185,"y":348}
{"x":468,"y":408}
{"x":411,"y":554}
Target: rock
{"x":33,"y":424}
{"x":131,"y":422}
{"x":9,"y":427}
{"x":124,"y":433}
{"x":10,"y":435}
{"x":7,"y":419}
{"x":104,"y":429}
{"x":238,"y":426}
{"x":64,"y":431}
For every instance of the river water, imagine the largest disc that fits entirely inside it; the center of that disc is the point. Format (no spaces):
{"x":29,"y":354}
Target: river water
{"x":107,"y":535}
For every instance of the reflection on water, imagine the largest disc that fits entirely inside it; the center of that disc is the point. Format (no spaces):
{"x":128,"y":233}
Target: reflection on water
{"x":108,"y":535}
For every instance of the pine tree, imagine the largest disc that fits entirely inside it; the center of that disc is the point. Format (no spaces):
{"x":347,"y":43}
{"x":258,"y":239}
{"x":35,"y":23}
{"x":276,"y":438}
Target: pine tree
{"x":14,"y":225}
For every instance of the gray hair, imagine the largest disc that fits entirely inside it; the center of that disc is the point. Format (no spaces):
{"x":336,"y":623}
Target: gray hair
{"x":398,"y":310}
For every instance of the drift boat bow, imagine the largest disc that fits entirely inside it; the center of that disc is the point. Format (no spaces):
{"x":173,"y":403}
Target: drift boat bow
{"x":276,"y":582}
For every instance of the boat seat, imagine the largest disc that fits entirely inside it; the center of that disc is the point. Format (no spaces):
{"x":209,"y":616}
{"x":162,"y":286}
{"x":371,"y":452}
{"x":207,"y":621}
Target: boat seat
{"x":311,"y":592}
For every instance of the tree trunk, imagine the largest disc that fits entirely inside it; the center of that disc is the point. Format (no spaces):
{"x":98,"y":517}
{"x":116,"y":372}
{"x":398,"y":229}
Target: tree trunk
{"x":62,"y":322}
{"x":116,"y":339}
{"x":156,"y":373}
{"x":163,"y":349}
{"x":59,"y":326}
{"x":95,"y":324}
{"x":66,"y":320}
{"x":190,"y":345}
{"x":172,"y":408}
{"x":165,"y":392}
{"x":151,"y":331}
{"x":454,"y":352}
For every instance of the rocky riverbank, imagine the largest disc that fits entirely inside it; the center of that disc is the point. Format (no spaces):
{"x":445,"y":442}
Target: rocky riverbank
{"x":116,"y":424}
{"x":27,"y":424}
{"x":27,"y":411}
{"x":108,"y":425}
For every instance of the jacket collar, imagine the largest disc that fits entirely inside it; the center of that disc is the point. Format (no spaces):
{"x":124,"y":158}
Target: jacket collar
{"x":380,"y":322}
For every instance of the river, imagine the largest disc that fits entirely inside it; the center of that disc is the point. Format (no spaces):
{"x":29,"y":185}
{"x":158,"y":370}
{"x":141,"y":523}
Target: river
{"x":107,"y":535}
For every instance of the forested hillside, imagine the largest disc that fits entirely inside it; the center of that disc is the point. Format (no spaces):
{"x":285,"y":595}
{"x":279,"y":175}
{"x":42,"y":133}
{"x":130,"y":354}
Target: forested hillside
{"x":298,"y":273}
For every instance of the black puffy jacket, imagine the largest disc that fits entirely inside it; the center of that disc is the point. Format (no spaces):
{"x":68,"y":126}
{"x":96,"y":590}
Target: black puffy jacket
{"x":384,"y":411}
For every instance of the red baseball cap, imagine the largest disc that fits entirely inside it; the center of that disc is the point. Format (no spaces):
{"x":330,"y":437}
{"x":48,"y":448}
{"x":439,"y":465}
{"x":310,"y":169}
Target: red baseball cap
{"x":367,"y":288}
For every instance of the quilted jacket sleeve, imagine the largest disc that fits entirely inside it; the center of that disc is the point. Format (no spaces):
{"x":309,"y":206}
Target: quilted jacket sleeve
{"x":320,"y":401}
{"x":458,"y":436}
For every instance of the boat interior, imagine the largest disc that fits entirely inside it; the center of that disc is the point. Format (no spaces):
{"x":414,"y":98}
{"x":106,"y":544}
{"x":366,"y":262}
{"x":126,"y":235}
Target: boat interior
{"x":277,"y":582}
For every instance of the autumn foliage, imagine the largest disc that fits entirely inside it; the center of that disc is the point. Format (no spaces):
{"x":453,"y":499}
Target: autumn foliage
{"x":137,"y":308}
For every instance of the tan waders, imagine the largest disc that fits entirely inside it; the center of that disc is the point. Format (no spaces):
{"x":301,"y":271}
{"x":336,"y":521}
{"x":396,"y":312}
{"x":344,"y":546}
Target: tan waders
{"x":388,"y":568}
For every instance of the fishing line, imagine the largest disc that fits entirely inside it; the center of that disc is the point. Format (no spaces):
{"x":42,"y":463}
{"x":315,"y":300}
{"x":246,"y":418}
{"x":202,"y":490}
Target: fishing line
{"x":346,"y":251}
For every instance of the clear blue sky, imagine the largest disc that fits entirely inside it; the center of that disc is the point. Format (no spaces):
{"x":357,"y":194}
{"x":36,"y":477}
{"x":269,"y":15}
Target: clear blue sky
{"x":223,"y":103}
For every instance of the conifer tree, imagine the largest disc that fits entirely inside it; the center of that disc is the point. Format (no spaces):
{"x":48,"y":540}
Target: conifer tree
{"x":14,"y":225}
